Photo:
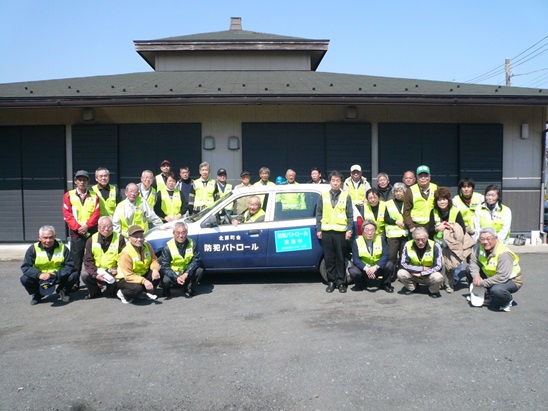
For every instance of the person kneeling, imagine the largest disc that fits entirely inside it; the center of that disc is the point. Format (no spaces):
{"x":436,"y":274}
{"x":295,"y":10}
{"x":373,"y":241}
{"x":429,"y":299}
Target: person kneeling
{"x":180,"y":263}
{"x":370,"y":258}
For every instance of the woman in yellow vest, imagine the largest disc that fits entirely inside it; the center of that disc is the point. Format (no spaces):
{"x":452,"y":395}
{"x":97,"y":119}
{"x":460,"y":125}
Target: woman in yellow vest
{"x":443,"y":217}
{"x":493,"y":213}
{"x":395,"y":230}
{"x":374,"y":209}
{"x":170,"y":204}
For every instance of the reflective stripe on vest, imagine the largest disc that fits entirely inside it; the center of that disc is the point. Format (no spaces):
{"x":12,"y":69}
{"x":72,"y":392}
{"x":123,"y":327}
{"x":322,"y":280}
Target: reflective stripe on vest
{"x":420,"y":213}
{"x":334,"y":219}
{"x":368,"y":259}
{"x":428,"y":257}
{"x":179,"y":263}
{"x":109,"y":205}
{"x":108,"y":259}
{"x":204,"y":196}
{"x":356,"y":194}
{"x":368,"y":215}
{"x":468,"y":212}
{"x":45,"y":265}
{"x":489,"y":264}
{"x":140,"y":267}
{"x":392,"y":230}
{"x":82,"y":213}
{"x":136,"y":220}
{"x":171,"y":206}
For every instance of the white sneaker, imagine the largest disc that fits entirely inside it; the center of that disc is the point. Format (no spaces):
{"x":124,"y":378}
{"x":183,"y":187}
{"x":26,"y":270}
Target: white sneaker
{"x":150,"y":296}
{"x":507,"y":308}
{"x":122,"y":298}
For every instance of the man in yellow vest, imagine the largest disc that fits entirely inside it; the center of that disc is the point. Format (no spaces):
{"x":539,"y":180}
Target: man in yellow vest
{"x":138,"y":268}
{"x":496,"y":268}
{"x":101,"y":259}
{"x":370,"y":258}
{"x":180,"y":262}
{"x":253,"y":214}
{"x":467,"y":201}
{"x":107,"y":193}
{"x":419,"y":200}
{"x":48,"y":263}
{"x":133,"y":211}
{"x":205,"y":189}
{"x":81,"y":210}
{"x":160,"y":179}
{"x":291,"y":201}
{"x":334,"y":226}
{"x":421,"y":264}
{"x":147,"y":191}
{"x":356,"y":185}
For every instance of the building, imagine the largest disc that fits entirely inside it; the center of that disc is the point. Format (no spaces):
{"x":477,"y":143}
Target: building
{"x":241,"y":100}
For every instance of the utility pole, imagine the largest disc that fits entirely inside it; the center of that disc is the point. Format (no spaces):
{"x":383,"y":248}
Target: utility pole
{"x":507,"y":70}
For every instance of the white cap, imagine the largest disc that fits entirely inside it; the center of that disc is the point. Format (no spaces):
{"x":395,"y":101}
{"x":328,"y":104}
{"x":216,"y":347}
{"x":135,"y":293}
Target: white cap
{"x":356,"y":167}
{"x":477,"y":295}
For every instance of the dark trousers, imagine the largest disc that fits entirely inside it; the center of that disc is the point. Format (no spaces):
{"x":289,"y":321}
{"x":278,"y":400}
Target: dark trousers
{"x":133,"y":290}
{"x":360,"y":277}
{"x":32,"y":285}
{"x":94,"y":286}
{"x":77,"y":247}
{"x":191,"y":281}
{"x":501,"y":294}
{"x":334,"y":245}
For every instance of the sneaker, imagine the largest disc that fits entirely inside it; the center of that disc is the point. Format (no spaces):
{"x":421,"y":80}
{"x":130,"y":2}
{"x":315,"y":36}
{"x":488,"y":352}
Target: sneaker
{"x":36,"y":298}
{"x":507,"y":308}
{"x":449,"y":290}
{"x":122,"y":298}
{"x":434,"y":295}
{"x":64,"y":296}
{"x":150,"y":296}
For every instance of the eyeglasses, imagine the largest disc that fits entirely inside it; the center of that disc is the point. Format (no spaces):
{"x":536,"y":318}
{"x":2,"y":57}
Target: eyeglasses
{"x":421,"y":240}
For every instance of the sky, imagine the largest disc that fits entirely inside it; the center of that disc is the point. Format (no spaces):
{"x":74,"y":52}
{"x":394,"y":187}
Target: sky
{"x":445,"y":40}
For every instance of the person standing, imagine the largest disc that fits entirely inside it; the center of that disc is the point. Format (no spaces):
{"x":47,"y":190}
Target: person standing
{"x":384,"y":187}
{"x":146,"y":189}
{"x":133,"y":211}
{"x":160,"y":179}
{"x":409,"y":178}
{"x":396,"y":233}
{"x":170,"y":205}
{"x":419,"y":200}
{"x":222,"y":186}
{"x":492,"y":213}
{"x":186,"y":187}
{"x":205,"y":188}
{"x":241,"y":202}
{"x":46,"y":263}
{"x":316,"y":176}
{"x":107,"y":193}
{"x":264,"y":175}
{"x":356,"y":186}
{"x":334,"y":226}
{"x":467,"y":201}
{"x":81,"y":211}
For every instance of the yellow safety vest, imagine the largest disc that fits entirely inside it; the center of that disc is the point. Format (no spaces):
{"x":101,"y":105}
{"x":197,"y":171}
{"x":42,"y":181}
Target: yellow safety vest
{"x":160,"y":183}
{"x":496,"y":221}
{"x":368,"y":215}
{"x":151,"y":199}
{"x":420,"y":213}
{"x":109,"y":205}
{"x":368,"y":259}
{"x":428,"y":257}
{"x":45,"y":265}
{"x":83,"y":212}
{"x":204,"y":196}
{"x":392,"y":230}
{"x":468,"y":212}
{"x":292,"y":201}
{"x":489,"y":264}
{"x":136,"y":220}
{"x":356,"y":194}
{"x":108,"y":259}
{"x":453,"y":213}
{"x":140,"y":267}
{"x":248,"y":218}
{"x":334,"y":219}
{"x":179,"y":263}
{"x":171,"y":206}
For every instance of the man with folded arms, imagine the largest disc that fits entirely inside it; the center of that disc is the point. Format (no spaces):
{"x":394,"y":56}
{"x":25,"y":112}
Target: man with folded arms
{"x":138,"y":268}
{"x":48,"y":261}
{"x":101,"y":259}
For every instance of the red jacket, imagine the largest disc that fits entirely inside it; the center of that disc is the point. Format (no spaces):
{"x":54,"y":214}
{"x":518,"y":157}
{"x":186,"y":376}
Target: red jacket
{"x":72,"y":223}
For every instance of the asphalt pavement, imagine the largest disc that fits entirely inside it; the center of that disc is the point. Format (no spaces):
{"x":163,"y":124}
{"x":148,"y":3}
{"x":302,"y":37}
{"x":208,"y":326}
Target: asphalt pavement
{"x":275,"y":342}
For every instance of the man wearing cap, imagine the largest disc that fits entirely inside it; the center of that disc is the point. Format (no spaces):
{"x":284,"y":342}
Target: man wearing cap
{"x":222,"y":186}
{"x":138,"y":268}
{"x":101,"y":259}
{"x":356,"y":185}
{"x":186,"y":187}
{"x":146,"y":189}
{"x":107,"y":193}
{"x":180,"y":263}
{"x":81,"y":210}
{"x":205,"y":188}
{"x":496,"y":268}
{"x":46,"y":263}
{"x":133,"y":211}
{"x":334,"y":224}
{"x":421,"y":263}
{"x":241,"y":203}
{"x":160,"y":179}
{"x":419,"y":200}
{"x":370,"y":258}
{"x":316,"y":176}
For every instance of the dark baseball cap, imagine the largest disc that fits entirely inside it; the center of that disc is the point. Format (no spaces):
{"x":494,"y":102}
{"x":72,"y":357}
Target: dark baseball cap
{"x":221,"y":171}
{"x":165,"y":162}
{"x":81,"y":173}
{"x":47,"y":287}
{"x":245,"y":173}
